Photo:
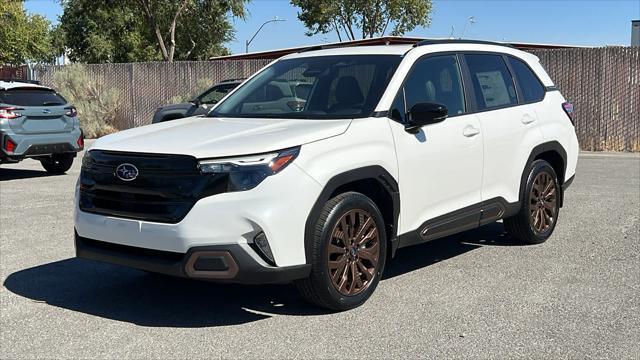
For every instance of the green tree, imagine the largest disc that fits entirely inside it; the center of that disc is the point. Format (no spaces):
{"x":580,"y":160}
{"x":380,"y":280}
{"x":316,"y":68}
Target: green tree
{"x":190,"y":26}
{"x":105,"y":31}
{"x":23,"y":37}
{"x":147,"y":30}
{"x":354,"y":19}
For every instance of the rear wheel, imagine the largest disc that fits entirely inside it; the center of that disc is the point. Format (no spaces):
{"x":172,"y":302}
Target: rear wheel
{"x":348,"y":254}
{"x":540,"y":207}
{"x":57,"y":164}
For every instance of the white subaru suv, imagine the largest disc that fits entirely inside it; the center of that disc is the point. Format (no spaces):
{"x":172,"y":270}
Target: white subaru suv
{"x":320,"y":166}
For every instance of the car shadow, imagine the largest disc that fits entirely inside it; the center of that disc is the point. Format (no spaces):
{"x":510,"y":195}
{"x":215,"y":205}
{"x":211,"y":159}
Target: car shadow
{"x":133,"y":296}
{"x":17,"y":174}
{"x":419,"y":256}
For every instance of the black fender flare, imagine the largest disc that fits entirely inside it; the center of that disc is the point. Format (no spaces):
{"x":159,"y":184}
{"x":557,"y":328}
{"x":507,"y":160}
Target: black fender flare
{"x":375,"y":172}
{"x":535,"y":152}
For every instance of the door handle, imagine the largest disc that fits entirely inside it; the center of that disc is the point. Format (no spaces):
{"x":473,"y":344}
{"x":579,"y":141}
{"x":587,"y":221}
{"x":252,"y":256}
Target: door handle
{"x":527,"y":119}
{"x":470,"y":131}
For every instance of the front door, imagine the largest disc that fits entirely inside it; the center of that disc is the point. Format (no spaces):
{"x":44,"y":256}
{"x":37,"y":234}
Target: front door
{"x":440,"y":167}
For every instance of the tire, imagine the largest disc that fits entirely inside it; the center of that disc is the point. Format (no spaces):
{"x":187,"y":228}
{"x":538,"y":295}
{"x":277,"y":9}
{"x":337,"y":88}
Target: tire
{"x":57,"y":164}
{"x":355,"y":269}
{"x":538,"y":215}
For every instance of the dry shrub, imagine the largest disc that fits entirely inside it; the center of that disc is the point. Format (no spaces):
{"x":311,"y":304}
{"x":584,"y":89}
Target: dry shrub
{"x":97,"y":105}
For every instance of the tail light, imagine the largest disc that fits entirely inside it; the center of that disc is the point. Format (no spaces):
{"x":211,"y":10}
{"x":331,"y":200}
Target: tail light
{"x":9,"y":112}
{"x":9,"y":145}
{"x":80,"y":140}
{"x":71,"y":111}
{"x":568,"y":109}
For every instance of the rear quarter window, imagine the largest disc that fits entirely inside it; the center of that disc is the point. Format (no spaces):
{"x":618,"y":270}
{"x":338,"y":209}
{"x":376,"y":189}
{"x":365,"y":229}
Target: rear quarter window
{"x":530,"y":85}
{"x":31,"y":97}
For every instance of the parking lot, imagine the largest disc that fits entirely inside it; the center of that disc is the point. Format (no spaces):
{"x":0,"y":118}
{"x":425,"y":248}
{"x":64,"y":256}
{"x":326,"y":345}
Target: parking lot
{"x":477,"y":294}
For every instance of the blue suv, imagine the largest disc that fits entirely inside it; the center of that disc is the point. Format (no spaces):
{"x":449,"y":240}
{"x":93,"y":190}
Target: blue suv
{"x":36,"y":122}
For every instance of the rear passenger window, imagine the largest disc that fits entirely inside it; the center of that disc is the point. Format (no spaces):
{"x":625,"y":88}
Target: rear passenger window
{"x":532,"y":89}
{"x":436,"y":80}
{"x":492,"y":82}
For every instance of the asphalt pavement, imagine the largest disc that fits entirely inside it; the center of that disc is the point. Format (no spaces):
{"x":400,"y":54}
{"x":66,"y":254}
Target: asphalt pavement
{"x":474,"y":295}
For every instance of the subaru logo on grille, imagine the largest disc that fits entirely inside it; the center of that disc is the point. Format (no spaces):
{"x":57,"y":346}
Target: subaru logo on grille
{"x":126,"y":172}
{"x":46,"y":111}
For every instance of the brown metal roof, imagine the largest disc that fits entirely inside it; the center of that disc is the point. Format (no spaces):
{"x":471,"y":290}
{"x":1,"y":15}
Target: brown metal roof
{"x":386,"y":40}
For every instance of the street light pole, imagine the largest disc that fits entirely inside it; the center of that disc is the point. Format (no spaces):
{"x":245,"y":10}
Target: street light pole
{"x":248,"y":42}
{"x":472,"y":20}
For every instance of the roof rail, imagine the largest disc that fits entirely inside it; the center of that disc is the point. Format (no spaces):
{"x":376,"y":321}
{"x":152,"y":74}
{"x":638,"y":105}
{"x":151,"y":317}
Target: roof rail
{"x":458,"y":41}
{"x":35,"y":82}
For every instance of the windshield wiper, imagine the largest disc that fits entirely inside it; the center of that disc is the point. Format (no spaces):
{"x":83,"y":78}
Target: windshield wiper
{"x":51,"y":103}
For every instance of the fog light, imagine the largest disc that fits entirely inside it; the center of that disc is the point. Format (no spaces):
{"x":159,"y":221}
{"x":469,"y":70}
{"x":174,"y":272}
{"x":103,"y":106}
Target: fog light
{"x":263,"y":245}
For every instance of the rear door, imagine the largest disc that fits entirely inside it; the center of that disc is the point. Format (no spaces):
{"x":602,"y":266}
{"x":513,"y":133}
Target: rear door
{"x":42,"y":110}
{"x":509,"y":127}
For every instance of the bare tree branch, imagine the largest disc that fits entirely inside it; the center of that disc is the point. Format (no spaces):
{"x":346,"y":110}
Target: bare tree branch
{"x":172,"y":30}
{"x":151,"y":19}
{"x":385,"y":26}
{"x":193,"y":46}
{"x":335,"y":26}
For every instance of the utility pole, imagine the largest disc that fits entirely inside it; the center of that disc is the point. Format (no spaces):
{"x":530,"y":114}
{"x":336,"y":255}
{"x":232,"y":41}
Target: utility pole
{"x":472,"y":20}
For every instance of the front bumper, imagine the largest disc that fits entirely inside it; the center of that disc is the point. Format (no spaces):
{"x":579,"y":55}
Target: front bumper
{"x":220,"y":263}
{"x":278,"y":207}
{"x":35,"y":145}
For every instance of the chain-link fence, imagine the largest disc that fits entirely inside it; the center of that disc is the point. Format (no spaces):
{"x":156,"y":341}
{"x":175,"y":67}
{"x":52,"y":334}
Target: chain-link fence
{"x":603,"y":84}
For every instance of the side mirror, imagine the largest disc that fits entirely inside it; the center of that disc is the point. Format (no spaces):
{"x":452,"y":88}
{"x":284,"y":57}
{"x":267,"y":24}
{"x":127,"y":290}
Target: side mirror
{"x":196,"y":101}
{"x":422,"y":114}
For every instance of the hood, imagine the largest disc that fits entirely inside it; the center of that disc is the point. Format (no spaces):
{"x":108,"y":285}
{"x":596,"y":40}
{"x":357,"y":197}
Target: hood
{"x":207,"y":137}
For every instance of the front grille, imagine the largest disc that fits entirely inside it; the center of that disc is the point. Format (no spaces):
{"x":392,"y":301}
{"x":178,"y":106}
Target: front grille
{"x":166,"y":188}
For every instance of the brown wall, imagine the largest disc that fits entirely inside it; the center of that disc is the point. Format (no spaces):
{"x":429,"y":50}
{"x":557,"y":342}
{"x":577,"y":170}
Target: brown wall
{"x":13,"y":72}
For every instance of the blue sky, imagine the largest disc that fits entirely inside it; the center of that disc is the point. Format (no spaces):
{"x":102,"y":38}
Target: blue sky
{"x":586,"y":22}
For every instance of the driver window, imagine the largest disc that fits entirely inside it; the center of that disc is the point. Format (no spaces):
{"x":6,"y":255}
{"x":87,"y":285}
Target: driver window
{"x":436,"y":79}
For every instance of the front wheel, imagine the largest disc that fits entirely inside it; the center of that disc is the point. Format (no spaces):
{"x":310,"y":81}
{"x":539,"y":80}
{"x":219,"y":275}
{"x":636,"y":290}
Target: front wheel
{"x":348,"y":253}
{"x":57,"y":164}
{"x":540,"y":206}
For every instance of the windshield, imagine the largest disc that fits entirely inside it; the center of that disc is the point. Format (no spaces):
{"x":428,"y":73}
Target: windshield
{"x":323,"y":87}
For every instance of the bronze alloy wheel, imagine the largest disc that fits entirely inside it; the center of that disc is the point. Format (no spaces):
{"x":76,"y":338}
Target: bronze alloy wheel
{"x":353,"y":252}
{"x":543,"y":202}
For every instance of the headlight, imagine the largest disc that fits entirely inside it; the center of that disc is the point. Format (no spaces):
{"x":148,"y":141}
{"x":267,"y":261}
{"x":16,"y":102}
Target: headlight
{"x":246,"y":172}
